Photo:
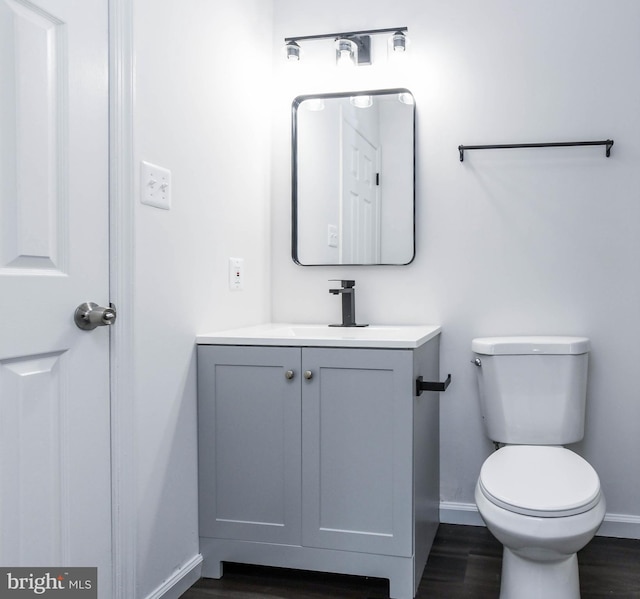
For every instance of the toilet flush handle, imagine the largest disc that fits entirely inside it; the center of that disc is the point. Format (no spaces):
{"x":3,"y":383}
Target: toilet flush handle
{"x":477,"y":362}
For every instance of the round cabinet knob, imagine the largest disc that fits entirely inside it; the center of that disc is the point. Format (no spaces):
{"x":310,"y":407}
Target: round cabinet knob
{"x":308,"y":375}
{"x":289,"y":375}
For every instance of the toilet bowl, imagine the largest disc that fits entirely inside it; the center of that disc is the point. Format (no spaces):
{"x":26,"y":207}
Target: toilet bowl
{"x":540,"y":500}
{"x":544,"y":504}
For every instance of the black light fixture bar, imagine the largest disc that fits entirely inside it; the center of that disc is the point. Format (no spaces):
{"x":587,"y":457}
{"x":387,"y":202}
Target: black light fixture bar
{"x":344,"y":34}
{"x":555,"y":144}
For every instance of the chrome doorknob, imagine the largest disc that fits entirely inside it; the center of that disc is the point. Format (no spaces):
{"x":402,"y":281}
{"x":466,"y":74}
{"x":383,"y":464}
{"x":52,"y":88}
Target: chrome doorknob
{"x":88,"y":316}
{"x":289,"y":374}
{"x":308,"y":375}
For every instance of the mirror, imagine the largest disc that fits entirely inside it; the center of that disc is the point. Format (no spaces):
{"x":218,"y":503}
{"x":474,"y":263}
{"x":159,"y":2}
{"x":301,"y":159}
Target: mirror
{"x":353,"y":178}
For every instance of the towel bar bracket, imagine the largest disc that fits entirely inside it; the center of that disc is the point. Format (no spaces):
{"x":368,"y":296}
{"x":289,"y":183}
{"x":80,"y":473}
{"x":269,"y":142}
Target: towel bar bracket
{"x":609,"y":145}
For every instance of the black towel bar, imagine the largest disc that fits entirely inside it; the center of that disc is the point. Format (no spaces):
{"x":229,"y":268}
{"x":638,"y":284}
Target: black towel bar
{"x":431,"y":386}
{"x":555,"y":144}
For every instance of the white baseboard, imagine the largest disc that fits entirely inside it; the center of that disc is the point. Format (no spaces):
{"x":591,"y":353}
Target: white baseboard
{"x":623,"y":526}
{"x":180,"y":581}
{"x":452,"y":512}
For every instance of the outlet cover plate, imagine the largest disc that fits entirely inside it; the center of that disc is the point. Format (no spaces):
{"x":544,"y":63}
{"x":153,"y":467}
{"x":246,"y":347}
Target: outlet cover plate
{"x":236,"y":274}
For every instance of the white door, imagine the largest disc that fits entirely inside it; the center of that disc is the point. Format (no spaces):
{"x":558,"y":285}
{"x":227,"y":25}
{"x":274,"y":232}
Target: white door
{"x":360,"y":226}
{"x":55,"y":494}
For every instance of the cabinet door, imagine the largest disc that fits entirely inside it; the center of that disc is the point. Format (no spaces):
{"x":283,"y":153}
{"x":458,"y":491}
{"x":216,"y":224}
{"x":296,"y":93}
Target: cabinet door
{"x":357,"y":450}
{"x":249,"y":443}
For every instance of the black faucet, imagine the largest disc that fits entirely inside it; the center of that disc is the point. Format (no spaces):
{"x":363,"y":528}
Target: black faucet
{"x":348,"y":303}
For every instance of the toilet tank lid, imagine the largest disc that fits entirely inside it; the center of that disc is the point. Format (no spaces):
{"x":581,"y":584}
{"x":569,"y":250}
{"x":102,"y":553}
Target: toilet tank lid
{"x":534,"y":344}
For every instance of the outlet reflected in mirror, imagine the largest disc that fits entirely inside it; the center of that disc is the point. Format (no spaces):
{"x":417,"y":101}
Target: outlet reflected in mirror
{"x":353,"y":161}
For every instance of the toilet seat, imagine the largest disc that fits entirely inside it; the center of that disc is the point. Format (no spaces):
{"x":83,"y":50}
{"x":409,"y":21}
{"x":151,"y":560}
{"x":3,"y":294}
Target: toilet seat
{"x":542,"y":481}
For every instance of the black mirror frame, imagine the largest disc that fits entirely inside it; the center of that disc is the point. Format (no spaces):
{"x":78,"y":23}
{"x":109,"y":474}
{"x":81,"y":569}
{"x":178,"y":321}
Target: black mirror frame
{"x":294,"y":169}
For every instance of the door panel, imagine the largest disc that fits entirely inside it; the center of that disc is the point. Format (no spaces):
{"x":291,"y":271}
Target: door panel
{"x":32,"y":109}
{"x":55,"y":492}
{"x":32,"y":432}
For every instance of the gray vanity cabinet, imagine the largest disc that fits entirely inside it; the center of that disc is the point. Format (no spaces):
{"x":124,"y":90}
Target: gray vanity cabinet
{"x":318,"y":458}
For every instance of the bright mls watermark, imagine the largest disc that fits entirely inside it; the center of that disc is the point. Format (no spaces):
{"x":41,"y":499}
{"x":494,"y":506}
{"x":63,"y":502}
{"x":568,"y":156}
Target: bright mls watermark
{"x":59,"y":583}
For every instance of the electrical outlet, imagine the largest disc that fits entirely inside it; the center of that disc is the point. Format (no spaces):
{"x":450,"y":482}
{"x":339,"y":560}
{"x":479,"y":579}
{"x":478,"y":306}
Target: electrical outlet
{"x":155,"y":185}
{"x":236,"y":274}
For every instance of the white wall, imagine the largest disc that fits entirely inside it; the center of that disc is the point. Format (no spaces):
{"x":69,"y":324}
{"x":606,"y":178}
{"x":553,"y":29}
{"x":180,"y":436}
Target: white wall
{"x":204,"y":117}
{"x":521,"y":241}
{"x":318,"y":134}
{"x":396,"y":135}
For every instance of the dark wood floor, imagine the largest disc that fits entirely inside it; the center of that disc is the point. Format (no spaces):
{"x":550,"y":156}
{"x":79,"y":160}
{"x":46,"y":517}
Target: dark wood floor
{"x":465,"y":562}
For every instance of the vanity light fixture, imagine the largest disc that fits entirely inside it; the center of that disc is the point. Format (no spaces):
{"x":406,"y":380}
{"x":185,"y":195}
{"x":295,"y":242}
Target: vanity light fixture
{"x":399,"y":42}
{"x":292,"y":50}
{"x":351,"y":47}
{"x":346,"y":52}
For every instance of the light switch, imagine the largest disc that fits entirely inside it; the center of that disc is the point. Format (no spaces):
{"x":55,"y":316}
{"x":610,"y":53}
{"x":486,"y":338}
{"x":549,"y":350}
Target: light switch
{"x":332,"y":236}
{"x":155,"y":185}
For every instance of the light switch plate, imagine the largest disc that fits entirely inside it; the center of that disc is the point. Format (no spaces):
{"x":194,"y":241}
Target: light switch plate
{"x":332,"y":236}
{"x":155,"y":185}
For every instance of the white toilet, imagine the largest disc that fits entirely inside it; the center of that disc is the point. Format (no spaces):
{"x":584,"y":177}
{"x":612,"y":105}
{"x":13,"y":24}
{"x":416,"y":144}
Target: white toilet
{"x":541,"y":501}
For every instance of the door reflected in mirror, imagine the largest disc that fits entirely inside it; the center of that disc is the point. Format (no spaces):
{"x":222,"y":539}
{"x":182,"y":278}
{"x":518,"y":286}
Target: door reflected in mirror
{"x":353,"y":178}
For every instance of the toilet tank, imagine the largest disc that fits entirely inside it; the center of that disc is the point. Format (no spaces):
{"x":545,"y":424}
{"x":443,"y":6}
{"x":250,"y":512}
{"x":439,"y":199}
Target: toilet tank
{"x":532,"y":389}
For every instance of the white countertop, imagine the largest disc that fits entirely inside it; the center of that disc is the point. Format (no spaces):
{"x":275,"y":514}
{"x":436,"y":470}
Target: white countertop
{"x":318,"y":335}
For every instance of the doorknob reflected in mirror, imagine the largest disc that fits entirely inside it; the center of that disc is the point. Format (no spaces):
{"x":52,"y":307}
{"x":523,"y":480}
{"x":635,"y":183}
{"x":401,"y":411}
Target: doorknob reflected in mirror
{"x":89,"y":316}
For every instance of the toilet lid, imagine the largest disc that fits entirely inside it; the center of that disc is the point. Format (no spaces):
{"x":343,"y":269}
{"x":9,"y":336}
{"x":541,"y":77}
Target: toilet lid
{"x":536,"y":480}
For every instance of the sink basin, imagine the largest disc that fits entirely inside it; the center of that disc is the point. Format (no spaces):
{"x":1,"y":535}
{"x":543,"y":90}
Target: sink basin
{"x":326,"y":332}
{"x":317,"y":335}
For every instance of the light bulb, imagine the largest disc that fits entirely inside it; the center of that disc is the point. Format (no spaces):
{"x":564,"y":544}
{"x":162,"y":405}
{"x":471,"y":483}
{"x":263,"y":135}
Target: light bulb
{"x":346,"y":52}
{"x":314,"y":104}
{"x":361,"y":101}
